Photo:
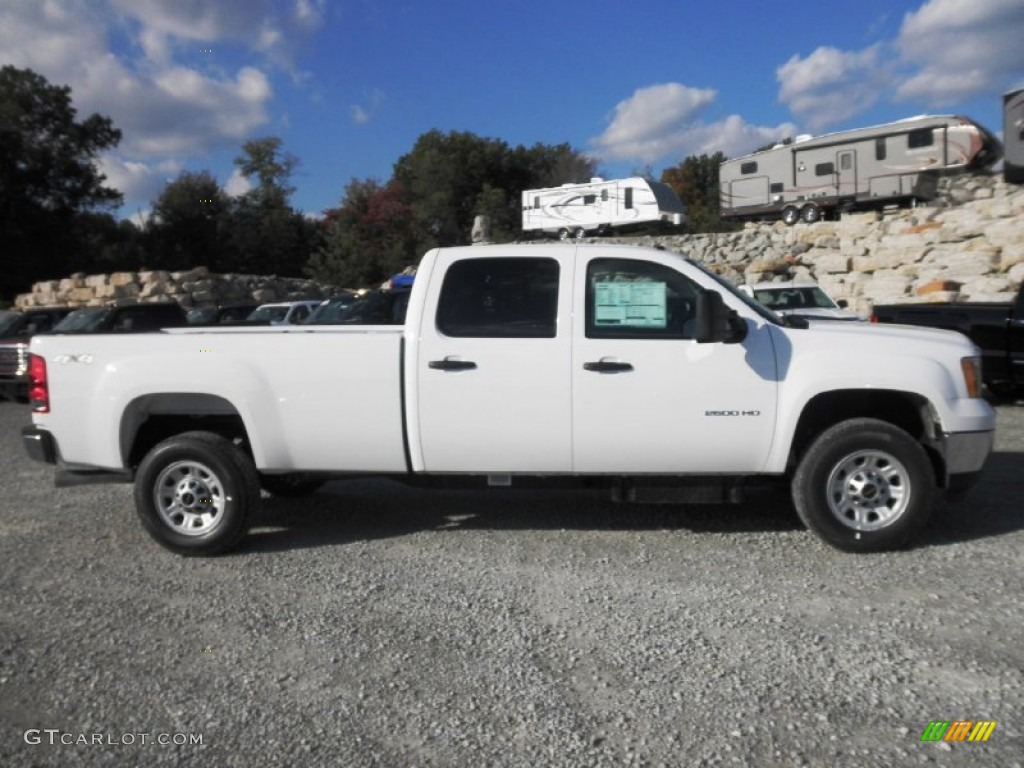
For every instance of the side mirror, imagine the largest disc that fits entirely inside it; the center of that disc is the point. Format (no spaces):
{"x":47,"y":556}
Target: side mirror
{"x":716,"y":322}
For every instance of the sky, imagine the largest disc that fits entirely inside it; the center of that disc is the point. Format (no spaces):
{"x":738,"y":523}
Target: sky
{"x":349,"y":85}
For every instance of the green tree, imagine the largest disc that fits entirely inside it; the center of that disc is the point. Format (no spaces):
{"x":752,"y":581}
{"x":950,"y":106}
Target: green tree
{"x":449,"y":178}
{"x":367,"y":238}
{"x":48,"y":176}
{"x":187,"y":224}
{"x":695,"y":180}
{"x":263,"y":233}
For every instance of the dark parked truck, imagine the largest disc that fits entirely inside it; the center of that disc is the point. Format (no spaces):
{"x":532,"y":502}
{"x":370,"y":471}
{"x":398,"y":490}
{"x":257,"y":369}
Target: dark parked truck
{"x":998,"y":328}
{"x":15,"y":331}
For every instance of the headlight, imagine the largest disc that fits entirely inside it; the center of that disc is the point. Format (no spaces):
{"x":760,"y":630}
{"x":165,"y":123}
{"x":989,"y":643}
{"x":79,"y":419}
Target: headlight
{"x":971,"y":366}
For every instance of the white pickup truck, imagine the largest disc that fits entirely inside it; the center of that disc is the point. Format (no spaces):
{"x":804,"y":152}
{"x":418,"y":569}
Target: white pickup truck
{"x":634,"y":369}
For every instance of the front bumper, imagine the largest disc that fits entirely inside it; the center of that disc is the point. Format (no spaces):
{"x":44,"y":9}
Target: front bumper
{"x":965,"y":454}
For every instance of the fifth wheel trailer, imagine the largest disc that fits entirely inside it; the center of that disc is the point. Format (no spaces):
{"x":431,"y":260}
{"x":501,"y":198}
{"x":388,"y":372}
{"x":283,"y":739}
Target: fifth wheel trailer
{"x":1013,"y":136}
{"x":576,"y":210}
{"x":862,"y":168}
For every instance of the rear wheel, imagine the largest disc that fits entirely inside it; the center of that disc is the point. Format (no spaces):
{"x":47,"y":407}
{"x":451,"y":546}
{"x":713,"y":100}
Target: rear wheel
{"x":790,"y":215}
{"x":564,"y":234}
{"x":810,"y":213}
{"x":580,"y":233}
{"x":864,"y":486}
{"x":196,"y":492}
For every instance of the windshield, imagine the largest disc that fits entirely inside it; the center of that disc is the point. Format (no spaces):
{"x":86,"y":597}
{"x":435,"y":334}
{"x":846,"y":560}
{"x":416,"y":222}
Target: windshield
{"x":81,"y":321}
{"x":790,"y":297}
{"x":268,"y":315}
{"x":767,"y":314}
{"x":202,"y":316}
{"x":8,"y":320}
{"x":330,"y":312}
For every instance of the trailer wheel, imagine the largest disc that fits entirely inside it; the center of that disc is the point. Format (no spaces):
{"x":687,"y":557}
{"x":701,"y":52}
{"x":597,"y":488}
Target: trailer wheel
{"x":196,"y":492}
{"x":864,"y":486}
{"x":810,"y":213}
{"x":580,"y":233}
{"x":790,"y":215}
{"x":564,"y":234}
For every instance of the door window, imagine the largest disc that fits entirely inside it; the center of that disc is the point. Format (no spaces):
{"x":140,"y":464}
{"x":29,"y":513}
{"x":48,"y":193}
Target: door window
{"x":629,"y":299}
{"x":505,"y":298}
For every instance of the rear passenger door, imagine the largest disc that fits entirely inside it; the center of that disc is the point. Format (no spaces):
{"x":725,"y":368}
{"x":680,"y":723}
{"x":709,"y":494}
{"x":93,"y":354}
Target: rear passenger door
{"x":492,"y":380}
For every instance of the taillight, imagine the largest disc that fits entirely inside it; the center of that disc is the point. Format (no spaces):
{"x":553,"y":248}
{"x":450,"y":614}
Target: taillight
{"x":38,"y":385}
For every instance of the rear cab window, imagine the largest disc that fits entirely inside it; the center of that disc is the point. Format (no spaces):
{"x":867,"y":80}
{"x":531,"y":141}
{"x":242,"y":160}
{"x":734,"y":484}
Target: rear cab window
{"x":499,"y":298}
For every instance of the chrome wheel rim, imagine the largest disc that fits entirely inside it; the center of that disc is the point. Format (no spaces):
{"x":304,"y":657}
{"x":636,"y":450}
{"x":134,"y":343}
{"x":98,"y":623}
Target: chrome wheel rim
{"x":190,"y":498}
{"x":868,"y":490}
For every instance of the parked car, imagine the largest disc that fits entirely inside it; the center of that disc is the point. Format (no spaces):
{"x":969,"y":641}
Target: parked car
{"x":386,"y":306}
{"x":224,"y":314}
{"x":996,"y":327}
{"x":332,"y":310}
{"x":128,"y":318}
{"x":282,"y":313}
{"x":799,"y":300}
{"x":16,"y":329}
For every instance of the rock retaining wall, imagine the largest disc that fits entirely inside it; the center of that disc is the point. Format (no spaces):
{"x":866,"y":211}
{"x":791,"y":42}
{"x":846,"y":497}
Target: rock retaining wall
{"x":192,"y":288}
{"x":967,"y":245}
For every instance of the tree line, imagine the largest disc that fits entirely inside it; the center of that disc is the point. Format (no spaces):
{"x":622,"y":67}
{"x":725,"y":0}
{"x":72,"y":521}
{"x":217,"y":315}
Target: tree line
{"x":55,"y":209}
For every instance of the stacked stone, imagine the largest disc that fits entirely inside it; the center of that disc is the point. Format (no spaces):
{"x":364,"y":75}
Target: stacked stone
{"x":192,"y":288}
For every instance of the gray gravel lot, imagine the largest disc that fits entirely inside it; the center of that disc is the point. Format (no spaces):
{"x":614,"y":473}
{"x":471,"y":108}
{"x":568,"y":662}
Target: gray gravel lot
{"x":373,"y":624}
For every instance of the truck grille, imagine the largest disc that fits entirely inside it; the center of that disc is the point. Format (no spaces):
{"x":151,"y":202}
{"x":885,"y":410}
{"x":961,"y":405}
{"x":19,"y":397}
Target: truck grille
{"x":13,"y":360}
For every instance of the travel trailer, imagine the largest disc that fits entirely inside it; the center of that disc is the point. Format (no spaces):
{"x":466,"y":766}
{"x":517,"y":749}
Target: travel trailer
{"x":864,"y":168}
{"x":578,"y":210}
{"x":1013,"y":136}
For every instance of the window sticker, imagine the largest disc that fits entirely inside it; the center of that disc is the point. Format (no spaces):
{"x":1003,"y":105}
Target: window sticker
{"x":634,"y":305}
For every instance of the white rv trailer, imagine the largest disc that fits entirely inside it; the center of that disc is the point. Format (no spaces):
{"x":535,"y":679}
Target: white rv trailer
{"x":576,"y":210}
{"x":1013,"y":136}
{"x":863,"y":168}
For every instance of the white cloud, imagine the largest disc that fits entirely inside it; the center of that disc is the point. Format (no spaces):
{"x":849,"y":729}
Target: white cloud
{"x":361,"y":114}
{"x":960,"y":49}
{"x":662,"y":121}
{"x":237,"y":184}
{"x":829,"y":86}
{"x":137,"y":180}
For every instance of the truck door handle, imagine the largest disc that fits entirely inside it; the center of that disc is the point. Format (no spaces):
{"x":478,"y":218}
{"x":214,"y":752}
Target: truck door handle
{"x":604,"y":366}
{"x":451,"y":365}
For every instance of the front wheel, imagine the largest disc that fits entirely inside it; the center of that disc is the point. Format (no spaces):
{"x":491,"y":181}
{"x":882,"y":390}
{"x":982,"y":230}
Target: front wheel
{"x":196,"y":492}
{"x":864,"y":486}
{"x":790,"y":215}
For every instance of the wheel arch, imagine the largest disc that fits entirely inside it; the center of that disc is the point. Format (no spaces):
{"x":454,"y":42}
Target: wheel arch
{"x":151,"y":419}
{"x":908,"y":411}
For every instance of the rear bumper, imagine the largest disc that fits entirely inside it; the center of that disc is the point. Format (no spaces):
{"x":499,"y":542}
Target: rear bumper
{"x":40,"y":445}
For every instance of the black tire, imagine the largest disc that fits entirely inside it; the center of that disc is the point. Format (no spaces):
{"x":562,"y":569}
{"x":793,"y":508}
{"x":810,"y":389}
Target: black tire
{"x":564,"y":234}
{"x":291,"y":485}
{"x":580,"y":233}
{"x":790,"y":215}
{"x":181,"y":475}
{"x":810,"y":213}
{"x":865,"y":486}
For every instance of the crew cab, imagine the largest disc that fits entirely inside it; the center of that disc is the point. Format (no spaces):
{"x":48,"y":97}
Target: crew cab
{"x":997,"y":328}
{"x":632,"y":369}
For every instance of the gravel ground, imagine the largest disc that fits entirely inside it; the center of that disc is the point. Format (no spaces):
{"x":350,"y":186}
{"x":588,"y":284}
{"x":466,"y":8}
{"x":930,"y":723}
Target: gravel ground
{"x":373,"y":624}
